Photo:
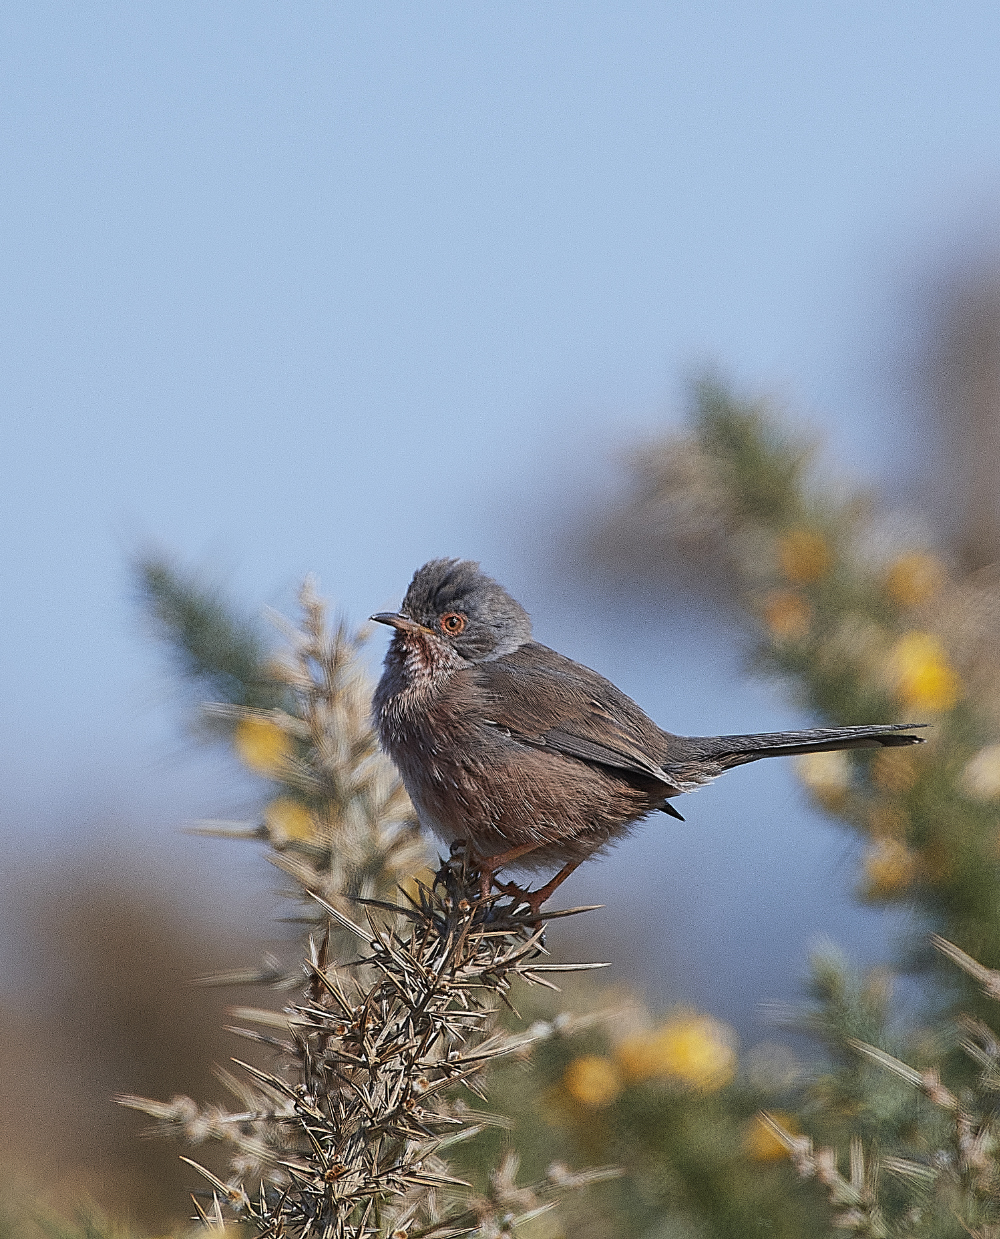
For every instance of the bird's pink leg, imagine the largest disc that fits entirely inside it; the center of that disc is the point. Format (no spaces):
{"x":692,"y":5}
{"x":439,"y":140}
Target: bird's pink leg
{"x":490,"y":864}
{"x":535,"y":899}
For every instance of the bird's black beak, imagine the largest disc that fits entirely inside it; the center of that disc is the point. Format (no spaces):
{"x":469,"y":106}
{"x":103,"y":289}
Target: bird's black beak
{"x":402,"y":622}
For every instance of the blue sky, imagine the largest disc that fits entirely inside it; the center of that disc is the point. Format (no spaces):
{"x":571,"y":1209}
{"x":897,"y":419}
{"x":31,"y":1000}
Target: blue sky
{"x":315,"y":286}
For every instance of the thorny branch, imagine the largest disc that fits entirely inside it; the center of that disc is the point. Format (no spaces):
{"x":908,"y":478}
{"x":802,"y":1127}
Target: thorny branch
{"x":957,"y":1181}
{"x":344,"y":1138}
{"x":398,"y":1014}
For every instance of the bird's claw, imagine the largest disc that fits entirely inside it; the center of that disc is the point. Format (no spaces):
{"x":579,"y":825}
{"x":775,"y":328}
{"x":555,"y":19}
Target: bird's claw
{"x":534,"y":899}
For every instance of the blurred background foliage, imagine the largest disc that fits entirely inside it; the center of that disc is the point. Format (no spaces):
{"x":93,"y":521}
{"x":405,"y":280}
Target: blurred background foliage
{"x":859,"y":618}
{"x":341,"y":288}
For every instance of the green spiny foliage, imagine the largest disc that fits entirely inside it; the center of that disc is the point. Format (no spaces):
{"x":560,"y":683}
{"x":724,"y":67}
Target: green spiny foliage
{"x":213,"y":647}
{"x":862,"y":626}
{"x":935,"y":1176}
{"x":762,"y":471}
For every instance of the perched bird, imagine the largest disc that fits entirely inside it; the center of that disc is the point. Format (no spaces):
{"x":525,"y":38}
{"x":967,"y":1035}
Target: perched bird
{"x":530,"y":758}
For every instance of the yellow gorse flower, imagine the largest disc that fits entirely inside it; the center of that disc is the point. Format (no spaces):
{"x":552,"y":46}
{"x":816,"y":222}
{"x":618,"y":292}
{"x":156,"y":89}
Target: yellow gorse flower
{"x":262,"y":745}
{"x":914,"y":578}
{"x":761,"y":1144}
{"x":592,"y":1080}
{"x":804,"y":556}
{"x":921,"y":673}
{"x":787,"y":615}
{"x":890,"y":867}
{"x":287,"y":819}
{"x":694,"y":1049}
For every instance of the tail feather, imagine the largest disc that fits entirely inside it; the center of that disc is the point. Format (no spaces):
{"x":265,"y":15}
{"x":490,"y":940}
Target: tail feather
{"x":729,"y":751}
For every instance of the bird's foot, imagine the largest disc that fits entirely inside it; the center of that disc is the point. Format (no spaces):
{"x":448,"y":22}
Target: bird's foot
{"x":535,"y":899}
{"x":512,"y":889}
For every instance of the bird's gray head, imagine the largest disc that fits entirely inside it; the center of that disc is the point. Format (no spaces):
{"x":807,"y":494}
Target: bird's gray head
{"x":453,"y":601}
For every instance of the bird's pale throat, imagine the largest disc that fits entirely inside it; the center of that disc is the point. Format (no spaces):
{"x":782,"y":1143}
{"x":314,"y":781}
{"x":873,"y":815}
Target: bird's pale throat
{"x":424,"y":657}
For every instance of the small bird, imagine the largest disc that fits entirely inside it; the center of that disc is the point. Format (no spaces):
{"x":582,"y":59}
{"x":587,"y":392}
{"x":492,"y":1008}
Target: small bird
{"x":532,"y":759}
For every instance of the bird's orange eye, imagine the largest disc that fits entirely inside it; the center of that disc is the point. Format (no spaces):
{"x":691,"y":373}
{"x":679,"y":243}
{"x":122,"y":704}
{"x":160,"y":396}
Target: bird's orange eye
{"x":452,"y":623}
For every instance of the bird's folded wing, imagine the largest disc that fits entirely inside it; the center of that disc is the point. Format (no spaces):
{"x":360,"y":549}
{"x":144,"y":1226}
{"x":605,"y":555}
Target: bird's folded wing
{"x":550,"y":702}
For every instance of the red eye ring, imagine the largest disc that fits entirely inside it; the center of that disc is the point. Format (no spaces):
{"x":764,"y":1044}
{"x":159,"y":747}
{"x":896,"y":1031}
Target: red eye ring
{"x":452,"y":623}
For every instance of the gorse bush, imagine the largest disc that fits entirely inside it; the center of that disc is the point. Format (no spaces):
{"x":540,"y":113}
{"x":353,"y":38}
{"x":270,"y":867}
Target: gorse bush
{"x":400,"y":1068}
{"x":861,"y":624}
{"x":940,"y":1176}
{"x":346,"y":1139}
{"x":398,"y":1011}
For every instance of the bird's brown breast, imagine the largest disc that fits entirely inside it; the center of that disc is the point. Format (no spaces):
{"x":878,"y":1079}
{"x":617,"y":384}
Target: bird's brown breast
{"x":471,"y":779}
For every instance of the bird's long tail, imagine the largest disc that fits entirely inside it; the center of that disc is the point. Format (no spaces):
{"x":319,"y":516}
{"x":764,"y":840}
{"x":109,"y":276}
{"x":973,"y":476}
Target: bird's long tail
{"x":729,"y":751}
